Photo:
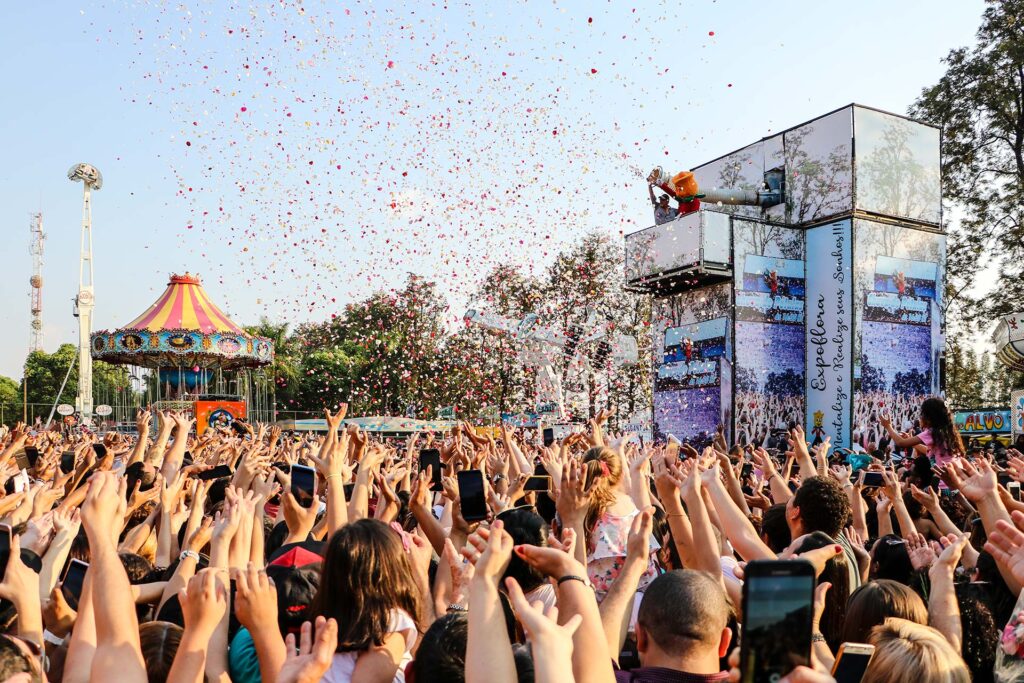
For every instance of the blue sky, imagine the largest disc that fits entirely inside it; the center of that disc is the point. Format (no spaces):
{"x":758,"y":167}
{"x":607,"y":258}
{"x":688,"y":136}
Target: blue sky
{"x":301,"y":156}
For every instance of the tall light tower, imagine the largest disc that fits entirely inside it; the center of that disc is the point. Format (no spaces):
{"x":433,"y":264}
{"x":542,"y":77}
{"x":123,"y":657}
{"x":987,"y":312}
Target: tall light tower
{"x":84,"y":302}
{"x":36,"y":249}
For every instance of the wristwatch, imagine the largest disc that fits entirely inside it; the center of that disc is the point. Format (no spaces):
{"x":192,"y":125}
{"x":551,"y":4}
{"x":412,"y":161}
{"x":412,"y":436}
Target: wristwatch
{"x":497,"y":478}
{"x":573,"y":577}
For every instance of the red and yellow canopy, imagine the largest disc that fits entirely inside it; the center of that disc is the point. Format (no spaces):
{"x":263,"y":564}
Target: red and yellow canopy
{"x":183,"y":328}
{"x":184,"y":305}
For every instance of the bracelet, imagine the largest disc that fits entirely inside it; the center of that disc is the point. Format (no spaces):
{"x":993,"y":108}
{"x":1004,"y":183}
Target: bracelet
{"x":454,"y":607}
{"x":188,"y":553}
{"x":52,"y":639}
{"x":817,"y":638}
{"x":498,"y":477}
{"x":336,"y":474}
{"x":676,"y":514}
{"x":573,"y":577}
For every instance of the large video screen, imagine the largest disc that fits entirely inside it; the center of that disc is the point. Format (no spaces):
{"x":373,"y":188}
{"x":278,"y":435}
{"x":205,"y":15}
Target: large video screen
{"x":692,"y":373}
{"x":898,"y":294}
{"x":897,"y":166}
{"x":768,"y":378}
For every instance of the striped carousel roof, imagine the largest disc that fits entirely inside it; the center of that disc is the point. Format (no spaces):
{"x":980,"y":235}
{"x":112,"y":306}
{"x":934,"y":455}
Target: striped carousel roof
{"x":184,"y":305}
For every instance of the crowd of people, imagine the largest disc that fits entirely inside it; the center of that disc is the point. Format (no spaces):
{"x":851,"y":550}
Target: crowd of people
{"x":171,"y":557}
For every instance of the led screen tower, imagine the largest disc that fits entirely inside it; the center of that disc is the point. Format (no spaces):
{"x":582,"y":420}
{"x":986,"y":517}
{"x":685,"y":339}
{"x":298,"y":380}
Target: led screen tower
{"x":822,"y":309}
{"x":84,"y":302}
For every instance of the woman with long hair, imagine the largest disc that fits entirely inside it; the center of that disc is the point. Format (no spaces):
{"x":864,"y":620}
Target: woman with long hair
{"x":610,"y":514}
{"x":367,"y":585}
{"x":938,"y":433}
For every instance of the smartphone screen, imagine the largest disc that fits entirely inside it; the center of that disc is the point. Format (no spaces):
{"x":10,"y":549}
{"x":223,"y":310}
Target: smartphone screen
{"x":21,"y":458}
{"x":549,"y":436}
{"x":747,"y":470}
{"x":74,"y":579}
{"x":32,"y":454}
{"x":432,"y":457}
{"x":873,"y":479}
{"x":215,"y":473}
{"x":67,"y":461}
{"x":538,"y":483}
{"x":1014,"y":488}
{"x":852,"y":662}
{"x":471,"y":495}
{"x":778,"y":604}
{"x":303,"y":484}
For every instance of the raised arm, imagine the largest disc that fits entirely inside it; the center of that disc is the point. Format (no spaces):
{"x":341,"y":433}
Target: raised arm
{"x":118,"y":655}
{"x":943,"y":608}
{"x":617,"y":605}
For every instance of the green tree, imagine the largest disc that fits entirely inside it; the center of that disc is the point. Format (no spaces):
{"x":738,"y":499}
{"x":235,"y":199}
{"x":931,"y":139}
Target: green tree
{"x":980,"y":104}
{"x":286,"y":370}
{"x":44,"y":373}
{"x":589,"y":276}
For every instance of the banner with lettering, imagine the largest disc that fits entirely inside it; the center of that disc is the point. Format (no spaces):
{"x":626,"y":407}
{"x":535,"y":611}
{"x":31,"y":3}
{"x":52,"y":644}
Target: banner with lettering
{"x":971,"y":422}
{"x":829,"y":332}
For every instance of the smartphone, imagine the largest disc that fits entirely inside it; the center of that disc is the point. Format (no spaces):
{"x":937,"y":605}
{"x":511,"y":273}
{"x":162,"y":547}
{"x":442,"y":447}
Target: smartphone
{"x":22,"y":459}
{"x":549,"y":436}
{"x":1014,"y":488}
{"x":216,"y":473}
{"x":32,"y":453}
{"x":852,"y":662}
{"x":349,"y":488}
{"x":778,"y":605}
{"x":747,"y":469}
{"x":471,"y":495}
{"x":873,"y":480}
{"x":101,"y":450}
{"x":72,"y":582}
{"x":303,"y":484}
{"x":538,"y":482}
{"x":5,"y":546}
{"x":67,"y":461}
{"x":431,"y":457}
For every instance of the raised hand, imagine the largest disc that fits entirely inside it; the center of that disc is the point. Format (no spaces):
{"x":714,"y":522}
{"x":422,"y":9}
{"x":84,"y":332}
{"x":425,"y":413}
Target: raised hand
{"x":101,"y":514}
{"x":922,"y":555}
{"x":490,"y":551}
{"x":310,"y":661}
{"x":977,"y":482}
{"x":203,"y":602}
{"x":551,"y":643}
{"x":255,"y":598}
{"x":1006,"y":543}
{"x":573,"y":495}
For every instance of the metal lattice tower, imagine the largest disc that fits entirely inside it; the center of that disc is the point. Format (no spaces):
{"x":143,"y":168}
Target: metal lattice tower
{"x":91,"y":180}
{"x":36,"y":249}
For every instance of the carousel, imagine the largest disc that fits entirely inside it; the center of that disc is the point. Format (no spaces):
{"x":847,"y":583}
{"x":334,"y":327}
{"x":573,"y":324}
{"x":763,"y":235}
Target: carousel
{"x":184,"y":353}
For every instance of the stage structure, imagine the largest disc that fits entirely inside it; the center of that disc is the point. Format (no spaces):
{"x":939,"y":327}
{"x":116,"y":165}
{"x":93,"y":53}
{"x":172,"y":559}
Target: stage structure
{"x":807,"y":288}
{"x":559,"y":358}
{"x":91,"y":179}
{"x":188,"y":355}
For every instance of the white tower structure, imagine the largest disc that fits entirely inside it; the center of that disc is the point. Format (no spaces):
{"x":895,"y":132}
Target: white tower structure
{"x":36,"y":249}
{"x":91,"y":180}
